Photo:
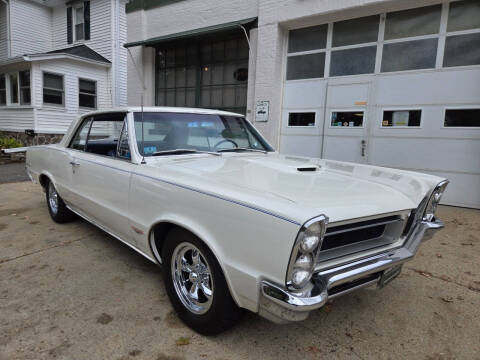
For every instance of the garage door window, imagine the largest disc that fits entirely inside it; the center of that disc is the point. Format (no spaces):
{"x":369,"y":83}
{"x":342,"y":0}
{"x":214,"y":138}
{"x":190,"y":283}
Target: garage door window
{"x":410,"y":55}
{"x":429,"y":37}
{"x":347,"y":118}
{"x":353,"y":61}
{"x":462,"y":50}
{"x":464,"y":15}
{"x":462,"y":118}
{"x":355,"y":31}
{"x":310,"y":38}
{"x":401,"y":118}
{"x":413,"y":22}
{"x":305,"y":66}
{"x":306,"y":53}
{"x":301,"y":119}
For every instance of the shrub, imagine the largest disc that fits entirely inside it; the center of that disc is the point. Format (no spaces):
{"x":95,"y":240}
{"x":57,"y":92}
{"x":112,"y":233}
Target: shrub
{"x":8,"y":143}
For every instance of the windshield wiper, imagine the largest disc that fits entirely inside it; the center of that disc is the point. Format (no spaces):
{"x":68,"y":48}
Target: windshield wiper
{"x":183,"y":151}
{"x":242,"y":149}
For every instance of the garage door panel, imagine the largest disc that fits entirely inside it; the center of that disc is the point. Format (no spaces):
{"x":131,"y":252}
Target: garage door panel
{"x":305,"y":94}
{"x":462,"y":190}
{"x":438,"y":87}
{"x":347,"y":95}
{"x":428,"y":154}
{"x":343,"y":148}
{"x":300,"y":145}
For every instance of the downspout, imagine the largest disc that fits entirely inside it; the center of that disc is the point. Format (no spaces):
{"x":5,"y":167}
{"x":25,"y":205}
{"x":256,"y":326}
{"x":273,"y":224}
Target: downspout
{"x":9,"y":40}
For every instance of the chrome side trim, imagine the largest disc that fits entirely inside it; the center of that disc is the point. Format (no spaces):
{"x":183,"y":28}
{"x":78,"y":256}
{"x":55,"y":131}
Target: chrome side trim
{"x":103,"y":228}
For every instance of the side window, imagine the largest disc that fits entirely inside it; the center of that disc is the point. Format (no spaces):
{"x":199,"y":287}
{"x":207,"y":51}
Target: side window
{"x":80,"y":139}
{"x":123,"y":150}
{"x":104,"y":134}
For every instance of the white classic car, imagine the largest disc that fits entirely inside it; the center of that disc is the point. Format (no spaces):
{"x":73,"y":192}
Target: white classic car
{"x":235,"y":224}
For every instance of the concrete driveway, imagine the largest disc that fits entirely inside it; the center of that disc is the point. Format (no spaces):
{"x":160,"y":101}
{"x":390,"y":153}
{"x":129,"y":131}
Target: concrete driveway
{"x":73,"y":292}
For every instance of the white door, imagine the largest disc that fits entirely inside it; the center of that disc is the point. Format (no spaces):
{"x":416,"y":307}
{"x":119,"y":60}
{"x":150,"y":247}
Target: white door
{"x":346,"y":122}
{"x":101,"y":176}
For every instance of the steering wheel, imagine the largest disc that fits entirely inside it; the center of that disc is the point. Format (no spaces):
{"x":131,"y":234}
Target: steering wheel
{"x":224,"y":141}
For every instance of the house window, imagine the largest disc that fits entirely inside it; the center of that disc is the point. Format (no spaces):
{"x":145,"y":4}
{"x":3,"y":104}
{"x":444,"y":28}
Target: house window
{"x":79,"y":24}
{"x":301,"y":119}
{"x":401,"y":118}
{"x":87,"y":93}
{"x":24,"y":77}
{"x":13,"y":88}
{"x":53,"y":92}
{"x":347,"y":118}
{"x":3,"y":90}
{"x":462,"y":118}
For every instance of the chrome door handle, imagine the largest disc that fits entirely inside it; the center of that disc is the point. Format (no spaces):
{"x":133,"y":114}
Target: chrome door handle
{"x":73,"y":163}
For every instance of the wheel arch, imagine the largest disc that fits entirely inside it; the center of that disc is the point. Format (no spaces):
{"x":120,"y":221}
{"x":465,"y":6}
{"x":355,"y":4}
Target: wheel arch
{"x":157,"y":236}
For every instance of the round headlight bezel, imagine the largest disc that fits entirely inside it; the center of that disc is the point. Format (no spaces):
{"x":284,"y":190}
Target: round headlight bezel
{"x":303,"y":248}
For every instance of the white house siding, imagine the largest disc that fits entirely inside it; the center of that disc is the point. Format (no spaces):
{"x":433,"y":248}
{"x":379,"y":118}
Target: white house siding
{"x":16,"y":119}
{"x":31,"y":29}
{"x":122,"y":76}
{"x":54,"y":119}
{"x":3,"y":31}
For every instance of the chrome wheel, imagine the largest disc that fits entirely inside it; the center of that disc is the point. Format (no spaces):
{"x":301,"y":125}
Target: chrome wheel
{"x":192,"y":278}
{"x":52,"y":198}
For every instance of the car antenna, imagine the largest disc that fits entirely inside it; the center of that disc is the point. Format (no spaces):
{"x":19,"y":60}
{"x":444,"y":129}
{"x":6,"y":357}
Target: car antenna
{"x":141,"y":103}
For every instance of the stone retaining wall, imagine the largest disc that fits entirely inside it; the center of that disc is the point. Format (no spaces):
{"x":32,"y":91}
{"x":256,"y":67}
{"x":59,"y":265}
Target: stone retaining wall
{"x":36,"y":139}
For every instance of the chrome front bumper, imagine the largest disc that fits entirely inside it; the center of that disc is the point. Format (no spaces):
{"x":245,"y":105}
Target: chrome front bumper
{"x":280,"y":305}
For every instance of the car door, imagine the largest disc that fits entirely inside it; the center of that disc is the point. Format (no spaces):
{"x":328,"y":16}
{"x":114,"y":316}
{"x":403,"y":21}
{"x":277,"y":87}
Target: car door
{"x":61,"y":164}
{"x":101,"y":175}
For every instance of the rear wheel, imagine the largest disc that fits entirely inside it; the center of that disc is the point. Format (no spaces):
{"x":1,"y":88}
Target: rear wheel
{"x":196,"y":286}
{"x":56,"y":207}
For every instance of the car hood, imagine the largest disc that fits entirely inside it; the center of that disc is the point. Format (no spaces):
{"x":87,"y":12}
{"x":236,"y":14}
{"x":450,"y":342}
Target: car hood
{"x":298,"y":188}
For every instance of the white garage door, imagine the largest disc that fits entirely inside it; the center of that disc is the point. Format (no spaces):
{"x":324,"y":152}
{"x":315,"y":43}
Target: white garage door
{"x":416,"y":107}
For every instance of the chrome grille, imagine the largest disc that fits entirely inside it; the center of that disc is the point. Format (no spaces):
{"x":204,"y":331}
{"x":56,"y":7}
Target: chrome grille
{"x":346,"y":239}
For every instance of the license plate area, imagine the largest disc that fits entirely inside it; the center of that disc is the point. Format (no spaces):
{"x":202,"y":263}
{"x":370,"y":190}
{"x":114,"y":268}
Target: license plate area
{"x":388,"y":275}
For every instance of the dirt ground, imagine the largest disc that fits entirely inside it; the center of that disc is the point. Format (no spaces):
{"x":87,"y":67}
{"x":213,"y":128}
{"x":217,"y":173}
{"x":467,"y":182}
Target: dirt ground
{"x":73,"y":292}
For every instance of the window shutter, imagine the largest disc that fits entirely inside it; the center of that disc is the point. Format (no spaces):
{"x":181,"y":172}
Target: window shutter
{"x":69,"y":25}
{"x":86,"y":19}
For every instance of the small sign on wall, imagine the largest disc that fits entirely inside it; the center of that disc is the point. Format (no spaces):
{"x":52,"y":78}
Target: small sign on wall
{"x":262,"y":110}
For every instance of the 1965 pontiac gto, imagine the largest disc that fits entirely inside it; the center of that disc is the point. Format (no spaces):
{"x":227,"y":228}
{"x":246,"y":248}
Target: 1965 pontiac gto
{"x":235,"y":224}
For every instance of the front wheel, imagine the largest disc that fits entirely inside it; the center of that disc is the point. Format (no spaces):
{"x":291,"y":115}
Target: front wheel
{"x":196,"y":286}
{"x":56,"y":207}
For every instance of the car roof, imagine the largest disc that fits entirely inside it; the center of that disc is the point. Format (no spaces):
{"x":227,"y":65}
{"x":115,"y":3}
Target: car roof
{"x":162,"y":109}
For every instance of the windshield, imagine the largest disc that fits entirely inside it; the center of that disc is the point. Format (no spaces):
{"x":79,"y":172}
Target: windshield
{"x":201,"y":132}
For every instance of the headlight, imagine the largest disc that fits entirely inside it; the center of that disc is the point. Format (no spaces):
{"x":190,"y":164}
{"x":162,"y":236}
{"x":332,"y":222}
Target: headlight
{"x":429,"y":214}
{"x":305,"y":251}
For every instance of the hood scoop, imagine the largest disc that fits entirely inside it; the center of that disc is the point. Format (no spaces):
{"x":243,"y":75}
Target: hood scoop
{"x":307,"y":168}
